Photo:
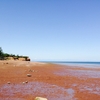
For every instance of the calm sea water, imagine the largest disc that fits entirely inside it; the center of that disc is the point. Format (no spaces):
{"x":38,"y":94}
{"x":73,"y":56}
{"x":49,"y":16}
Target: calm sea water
{"x":77,"y":64}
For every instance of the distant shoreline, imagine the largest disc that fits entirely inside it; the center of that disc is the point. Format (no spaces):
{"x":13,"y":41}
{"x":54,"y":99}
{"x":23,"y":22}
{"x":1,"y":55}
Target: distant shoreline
{"x":46,"y":80}
{"x":72,"y":62}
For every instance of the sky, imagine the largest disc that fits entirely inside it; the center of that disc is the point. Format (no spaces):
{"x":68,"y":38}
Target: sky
{"x":59,"y":30}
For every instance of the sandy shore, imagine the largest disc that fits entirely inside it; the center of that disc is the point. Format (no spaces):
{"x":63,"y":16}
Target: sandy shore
{"x":55,"y":82}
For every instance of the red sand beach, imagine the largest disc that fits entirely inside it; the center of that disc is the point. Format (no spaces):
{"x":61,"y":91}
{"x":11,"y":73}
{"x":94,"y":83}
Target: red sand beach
{"x":52,"y":81}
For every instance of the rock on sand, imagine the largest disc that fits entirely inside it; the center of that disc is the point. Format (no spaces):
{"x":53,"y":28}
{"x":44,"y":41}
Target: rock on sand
{"x":40,"y":98}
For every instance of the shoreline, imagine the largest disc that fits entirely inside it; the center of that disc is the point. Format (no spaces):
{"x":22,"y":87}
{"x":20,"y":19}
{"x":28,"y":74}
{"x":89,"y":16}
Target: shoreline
{"x":52,"y":81}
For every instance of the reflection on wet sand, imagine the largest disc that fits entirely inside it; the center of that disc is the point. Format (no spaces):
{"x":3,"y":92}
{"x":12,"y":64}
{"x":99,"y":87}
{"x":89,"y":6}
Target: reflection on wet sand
{"x":52,"y":92}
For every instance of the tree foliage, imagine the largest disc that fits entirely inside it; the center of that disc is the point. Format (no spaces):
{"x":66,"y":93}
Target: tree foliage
{"x":1,"y":54}
{"x":4,"y":55}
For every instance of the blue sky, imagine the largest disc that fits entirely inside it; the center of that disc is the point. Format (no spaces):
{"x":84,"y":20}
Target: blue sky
{"x":51,"y":29}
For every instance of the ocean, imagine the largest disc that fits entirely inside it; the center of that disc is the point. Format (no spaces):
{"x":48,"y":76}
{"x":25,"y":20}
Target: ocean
{"x":77,"y":64}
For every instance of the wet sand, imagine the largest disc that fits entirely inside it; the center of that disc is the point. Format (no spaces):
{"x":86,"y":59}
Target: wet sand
{"x":52,"y":81}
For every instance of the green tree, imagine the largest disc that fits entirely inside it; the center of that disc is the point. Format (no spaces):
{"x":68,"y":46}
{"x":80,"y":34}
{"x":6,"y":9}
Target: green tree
{"x":6,"y":55}
{"x":12,"y":55}
{"x":17,"y":56}
{"x":1,"y":54}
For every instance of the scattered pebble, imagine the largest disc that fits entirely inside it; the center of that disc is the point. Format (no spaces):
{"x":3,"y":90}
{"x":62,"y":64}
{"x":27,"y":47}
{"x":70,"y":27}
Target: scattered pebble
{"x":26,"y":81}
{"x":23,"y":82}
{"x":29,"y":75}
{"x":30,"y":70}
{"x":7,"y":63}
{"x":8,"y":82}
